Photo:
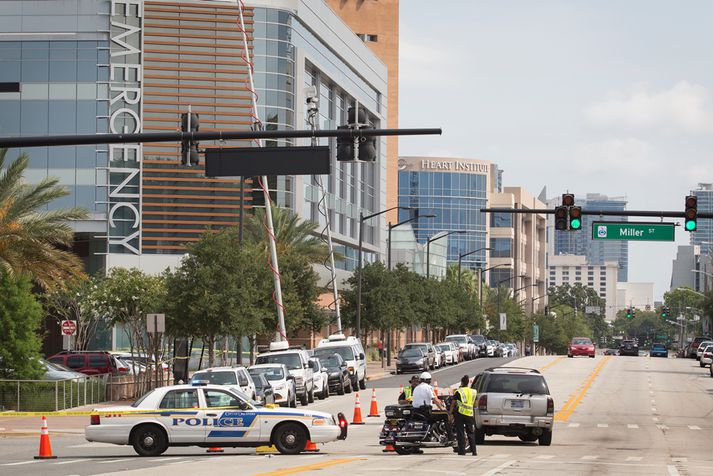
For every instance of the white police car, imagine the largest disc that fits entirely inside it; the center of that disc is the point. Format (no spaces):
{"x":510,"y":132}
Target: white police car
{"x":210,"y":415}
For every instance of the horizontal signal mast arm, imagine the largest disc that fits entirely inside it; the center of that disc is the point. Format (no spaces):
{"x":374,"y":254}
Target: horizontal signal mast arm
{"x":44,"y":141}
{"x":617,"y":213}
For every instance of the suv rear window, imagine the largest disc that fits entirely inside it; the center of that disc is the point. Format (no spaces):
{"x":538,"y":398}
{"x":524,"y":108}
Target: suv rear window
{"x":217,"y":378}
{"x":516,"y":383}
{"x":346,"y":352}
{"x":75,"y":361}
{"x":292,"y":361}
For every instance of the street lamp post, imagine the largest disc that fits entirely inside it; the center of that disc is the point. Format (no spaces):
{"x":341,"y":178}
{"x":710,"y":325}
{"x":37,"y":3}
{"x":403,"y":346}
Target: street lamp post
{"x":480,"y":279}
{"x":428,"y":249}
{"x":707,"y":275}
{"x":362,"y":219}
{"x":388,"y":259}
{"x":461,"y":256}
{"x":516,"y":290}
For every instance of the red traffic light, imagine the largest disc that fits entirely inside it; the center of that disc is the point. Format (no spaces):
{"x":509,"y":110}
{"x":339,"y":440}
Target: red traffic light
{"x":567,"y":199}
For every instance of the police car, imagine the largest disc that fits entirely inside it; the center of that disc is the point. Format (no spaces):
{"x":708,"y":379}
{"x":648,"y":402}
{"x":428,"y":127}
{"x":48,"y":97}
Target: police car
{"x":210,"y":415}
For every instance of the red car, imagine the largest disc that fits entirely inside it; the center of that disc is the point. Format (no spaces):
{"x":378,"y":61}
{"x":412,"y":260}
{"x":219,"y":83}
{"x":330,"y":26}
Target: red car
{"x":581,"y":346}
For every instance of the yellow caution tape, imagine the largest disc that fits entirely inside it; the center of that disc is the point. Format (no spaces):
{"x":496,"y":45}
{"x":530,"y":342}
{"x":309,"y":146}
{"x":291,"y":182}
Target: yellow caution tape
{"x":110,"y":413}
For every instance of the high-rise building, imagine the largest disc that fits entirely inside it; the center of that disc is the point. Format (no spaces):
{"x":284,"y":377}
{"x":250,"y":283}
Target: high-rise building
{"x":100,"y":66}
{"x":692,"y":267}
{"x":454,"y":190}
{"x":580,"y":242}
{"x":376,"y":23}
{"x":703,"y":235}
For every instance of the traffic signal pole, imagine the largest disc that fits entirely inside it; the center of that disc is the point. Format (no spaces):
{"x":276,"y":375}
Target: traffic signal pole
{"x":178,"y":137}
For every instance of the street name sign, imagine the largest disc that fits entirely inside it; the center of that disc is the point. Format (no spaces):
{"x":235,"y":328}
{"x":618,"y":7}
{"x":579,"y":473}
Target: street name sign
{"x":633,"y":231}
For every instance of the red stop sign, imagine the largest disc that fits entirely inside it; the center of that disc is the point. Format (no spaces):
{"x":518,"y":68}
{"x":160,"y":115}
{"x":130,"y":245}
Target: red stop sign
{"x":69,"y":328}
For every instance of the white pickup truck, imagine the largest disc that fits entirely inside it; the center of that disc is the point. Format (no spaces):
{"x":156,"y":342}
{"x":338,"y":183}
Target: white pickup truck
{"x":298,"y":362}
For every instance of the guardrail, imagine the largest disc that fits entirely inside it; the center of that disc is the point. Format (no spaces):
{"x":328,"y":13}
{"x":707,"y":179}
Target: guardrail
{"x":52,"y":395}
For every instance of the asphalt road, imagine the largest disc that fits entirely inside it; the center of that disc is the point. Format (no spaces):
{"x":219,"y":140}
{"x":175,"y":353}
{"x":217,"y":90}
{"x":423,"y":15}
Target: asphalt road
{"x":615,"y":415}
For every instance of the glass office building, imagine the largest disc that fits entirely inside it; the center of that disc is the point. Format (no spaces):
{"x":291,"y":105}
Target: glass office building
{"x":454,"y":190}
{"x":107,"y":66}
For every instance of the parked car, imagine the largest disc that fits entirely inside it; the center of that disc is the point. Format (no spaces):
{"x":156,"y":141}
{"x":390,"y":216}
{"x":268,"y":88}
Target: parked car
{"x":87,"y":362}
{"x":691,"y":353}
{"x":340,"y":381}
{"x":59,"y":372}
{"x":411,"y":359}
{"x":513,"y":401}
{"x":440,"y":358}
{"x":658,"y":350}
{"x":321,"y":379}
{"x":235,"y":376}
{"x":352,"y":352}
{"x":282,"y":382}
{"x":490,"y":348}
{"x":629,"y":347}
{"x":297,"y":362}
{"x":581,"y":346}
{"x":229,"y":419}
{"x":480,"y":347}
{"x":465,"y":345}
{"x":450,"y":352}
{"x":263,"y":390}
{"x":707,"y":356}
{"x":428,"y":351}
{"x":513,"y":350}
{"x":701,"y":347}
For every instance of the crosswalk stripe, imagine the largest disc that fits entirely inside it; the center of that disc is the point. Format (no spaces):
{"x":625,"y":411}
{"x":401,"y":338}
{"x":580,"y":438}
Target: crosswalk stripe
{"x":694,"y":427}
{"x":573,"y":425}
{"x":632,"y":426}
{"x":602,"y":425}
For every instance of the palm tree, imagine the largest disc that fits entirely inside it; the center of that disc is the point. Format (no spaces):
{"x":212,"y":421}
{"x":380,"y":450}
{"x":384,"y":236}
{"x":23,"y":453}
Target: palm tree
{"x":293,"y":235}
{"x":32,"y":241}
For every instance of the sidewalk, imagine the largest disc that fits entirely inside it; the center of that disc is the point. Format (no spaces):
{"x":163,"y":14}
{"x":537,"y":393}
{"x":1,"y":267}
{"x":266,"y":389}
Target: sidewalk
{"x":374,"y":370}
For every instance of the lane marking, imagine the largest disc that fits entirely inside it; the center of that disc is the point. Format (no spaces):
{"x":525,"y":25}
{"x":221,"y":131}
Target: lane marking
{"x":575,"y":399}
{"x":573,"y":425}
{"x":497,"y":469}
{"x":672,"y":471}
{"x":589,"y":458}
{"x":634,"y":458}
{"x":556,"y":361}
{"x":632,"y":426}
{"x":545,"y":457}
{"x":310,"y":467}
{"x":602,"y":425}
{"x":694,"y":427}
{"x":111,"y":461}
{"x":19,"y":463}
{"x":71,"y":461}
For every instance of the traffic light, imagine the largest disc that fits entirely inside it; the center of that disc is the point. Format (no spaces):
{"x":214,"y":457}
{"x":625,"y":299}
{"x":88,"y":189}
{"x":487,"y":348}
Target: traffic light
{"x":561,"y":218}
{"x":189,"y":148}
{"x":367,"y":146}
{"x":346,"y":150}
{"x":630,"y":313}
{"x":567,"y":199}
{"x":691,"y":212}
{"x":665,"y":312}
{"x":345,"y":147}
{"x":575,"y":218}
{"x":547,"y":310}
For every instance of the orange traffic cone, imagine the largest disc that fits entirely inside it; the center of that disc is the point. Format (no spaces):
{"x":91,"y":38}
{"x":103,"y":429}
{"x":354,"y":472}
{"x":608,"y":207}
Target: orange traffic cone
{"x":45,"y":447}
{"x":374,"y":409}
{"x":214,"y":449}
{"x":401,"y":389}
{"x":357,"y":412}
{"x":435,"y":387}
{"x":388,"y":449}
{"x":311,"y":447}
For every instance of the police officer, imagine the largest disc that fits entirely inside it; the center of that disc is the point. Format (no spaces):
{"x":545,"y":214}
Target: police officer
{"x":464,"y":404}
{"x":406,"y":397}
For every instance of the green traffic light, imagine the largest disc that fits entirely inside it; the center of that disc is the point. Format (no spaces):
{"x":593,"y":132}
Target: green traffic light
{"x":575,"y":224}
{"x":690,"y":225}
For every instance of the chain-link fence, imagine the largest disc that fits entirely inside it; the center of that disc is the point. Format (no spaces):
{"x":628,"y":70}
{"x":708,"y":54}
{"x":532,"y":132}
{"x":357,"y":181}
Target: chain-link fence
{"x":51,"y":395}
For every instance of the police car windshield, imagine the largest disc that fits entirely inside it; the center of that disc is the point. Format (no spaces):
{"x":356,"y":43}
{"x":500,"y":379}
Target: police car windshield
{"x":292,"y":361}
{"x":345,"y":351}
{"x":275,"y":373}
{"x":217,"y":378}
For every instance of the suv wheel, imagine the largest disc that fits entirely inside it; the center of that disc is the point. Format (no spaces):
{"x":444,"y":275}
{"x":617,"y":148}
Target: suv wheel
{"x":546,"y":438}
{"x":362,"y":383}
{"x":304,"y":399}
{"x":310,"y":396}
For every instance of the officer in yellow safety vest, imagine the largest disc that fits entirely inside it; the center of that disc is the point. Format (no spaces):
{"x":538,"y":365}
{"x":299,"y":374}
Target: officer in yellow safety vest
{"x":406,"y":396}
{"x":464,"y":415}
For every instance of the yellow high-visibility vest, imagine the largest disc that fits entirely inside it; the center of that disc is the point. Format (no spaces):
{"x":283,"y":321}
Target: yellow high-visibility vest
{"x":408,"y":391}
{"x":467,"y":400}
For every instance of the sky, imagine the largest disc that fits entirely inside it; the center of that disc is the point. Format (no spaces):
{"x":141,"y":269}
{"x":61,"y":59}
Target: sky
{"x":580,"y":96}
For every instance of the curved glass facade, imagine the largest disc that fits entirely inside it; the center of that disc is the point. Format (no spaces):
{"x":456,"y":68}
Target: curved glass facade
{"x":456,"y":199}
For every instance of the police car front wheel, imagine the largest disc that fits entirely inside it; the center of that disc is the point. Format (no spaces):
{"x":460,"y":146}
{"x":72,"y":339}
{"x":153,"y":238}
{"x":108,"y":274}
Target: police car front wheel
{"x":149,"y":440}
{"x":290,"y":438}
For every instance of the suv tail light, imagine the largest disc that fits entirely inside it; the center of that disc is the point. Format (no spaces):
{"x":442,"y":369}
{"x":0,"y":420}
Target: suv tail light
{"x":343,"y":426}
{"x":483,"y":403}
{"x":94,"y":420}
{"x":550,"y":405}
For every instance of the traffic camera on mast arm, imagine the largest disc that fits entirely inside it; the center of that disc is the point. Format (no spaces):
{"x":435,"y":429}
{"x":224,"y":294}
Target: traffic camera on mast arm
{"x":568,"y":217}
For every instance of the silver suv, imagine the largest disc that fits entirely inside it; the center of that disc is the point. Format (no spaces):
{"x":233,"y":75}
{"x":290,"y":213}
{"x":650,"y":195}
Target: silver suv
{"x":513,"y":401}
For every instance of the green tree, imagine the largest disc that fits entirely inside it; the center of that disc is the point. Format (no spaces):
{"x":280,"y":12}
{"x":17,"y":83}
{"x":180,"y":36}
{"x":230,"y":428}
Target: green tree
{"x":72,"y":300}
{"x":381,"y":307}
{"x":220,"y":289}
{"x":34,"y":242}
{"x":575,"y":295}
{"x":20,"y":318}
{"x":647,"y":326}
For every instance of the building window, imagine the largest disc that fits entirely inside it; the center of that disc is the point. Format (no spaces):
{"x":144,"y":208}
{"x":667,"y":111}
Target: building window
{"x":501,"y":247}
{"x":501,"y":220}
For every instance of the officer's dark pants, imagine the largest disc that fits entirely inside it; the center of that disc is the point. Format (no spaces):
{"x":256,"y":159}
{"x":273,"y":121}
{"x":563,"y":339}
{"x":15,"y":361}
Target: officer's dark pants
{"x":465,"y":425}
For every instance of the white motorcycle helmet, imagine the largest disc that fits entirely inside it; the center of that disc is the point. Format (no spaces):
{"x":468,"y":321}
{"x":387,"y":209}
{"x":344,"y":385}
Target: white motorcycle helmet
{"x":425,"y":377}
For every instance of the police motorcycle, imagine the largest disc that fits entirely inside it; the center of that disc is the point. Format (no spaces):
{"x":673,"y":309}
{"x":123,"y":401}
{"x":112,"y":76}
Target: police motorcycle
{"x":408,"y":430}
